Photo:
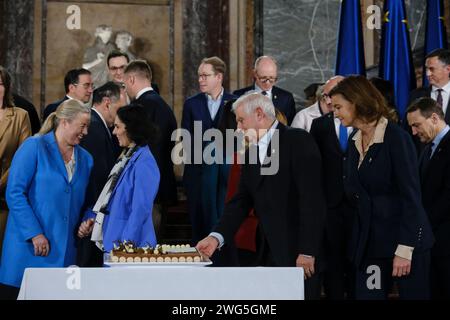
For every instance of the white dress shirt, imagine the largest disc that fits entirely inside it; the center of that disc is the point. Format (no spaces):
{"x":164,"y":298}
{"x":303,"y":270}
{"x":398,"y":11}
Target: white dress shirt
{"x":304,"y":118}
{"x":140,"y":93}
{"x":268,"y":92}
{"x":445,"y":93}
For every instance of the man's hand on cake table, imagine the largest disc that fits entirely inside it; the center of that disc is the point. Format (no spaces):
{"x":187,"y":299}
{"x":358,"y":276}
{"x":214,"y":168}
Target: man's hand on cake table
{"x":207,"y":246}
{"x":307,"y":263}
{"x":85,"y":228}
{"x":41,"y":245}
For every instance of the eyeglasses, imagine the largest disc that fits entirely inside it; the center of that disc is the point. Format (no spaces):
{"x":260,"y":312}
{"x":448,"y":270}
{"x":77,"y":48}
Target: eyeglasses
{"x":205,"y":76}
{"x":267,"y":79}
{"x":115,"y":69}
{"x":324,"y":96}
{"x":85,"y":85}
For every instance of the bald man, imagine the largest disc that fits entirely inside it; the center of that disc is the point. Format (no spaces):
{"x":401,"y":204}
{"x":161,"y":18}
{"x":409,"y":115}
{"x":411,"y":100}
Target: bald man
{"x":304,"y":118}
{"x":331,"y":138}
{"x":265,"y":74}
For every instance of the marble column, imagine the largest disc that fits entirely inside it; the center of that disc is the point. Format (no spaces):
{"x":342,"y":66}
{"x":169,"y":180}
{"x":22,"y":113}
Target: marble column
{"x":18,"y":28}
{"x":206,"y":33}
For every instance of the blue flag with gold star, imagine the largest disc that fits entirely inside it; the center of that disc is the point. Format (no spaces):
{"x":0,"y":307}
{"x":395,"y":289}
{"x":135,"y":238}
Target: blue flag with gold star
{"x":396,"y":64}
{"x":435,"y":32}
{"x":350,"y":47}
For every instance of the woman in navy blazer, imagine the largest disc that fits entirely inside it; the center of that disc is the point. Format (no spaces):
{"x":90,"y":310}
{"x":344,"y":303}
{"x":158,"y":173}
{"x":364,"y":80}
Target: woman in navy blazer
{"x":128,"y":211}
{"x":391,"y":236}
{"x":45,"y":193}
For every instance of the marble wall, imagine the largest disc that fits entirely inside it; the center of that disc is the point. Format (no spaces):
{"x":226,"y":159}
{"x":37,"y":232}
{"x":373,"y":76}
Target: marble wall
{"x":17,"y":18}
{"x":301,"y":35}
{"x":205,"y":34}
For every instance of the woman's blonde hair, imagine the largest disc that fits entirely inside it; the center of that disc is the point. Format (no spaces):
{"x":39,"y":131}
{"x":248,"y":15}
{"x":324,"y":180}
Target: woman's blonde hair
{"x":68,"y":110}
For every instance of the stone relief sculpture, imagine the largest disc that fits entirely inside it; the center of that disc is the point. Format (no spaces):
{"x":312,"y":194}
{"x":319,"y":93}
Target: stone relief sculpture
{"x":123,"y":43}
{"x":95,"y":56}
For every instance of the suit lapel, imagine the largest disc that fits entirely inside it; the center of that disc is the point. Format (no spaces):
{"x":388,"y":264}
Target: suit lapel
{"x":133,"y":159}
{"x":436,"y":157}
{"x":331,"y":132}
{"x":78,"y":164}
{"x":205,"y":115}
{"x":271,"y":148}
{"x":370,"y":157}
{"x":447,"y":113}
{"x":275,"y":95}
{"x":53,"y":150}
{"x":105,"y":129}
{"x":6,"y":122}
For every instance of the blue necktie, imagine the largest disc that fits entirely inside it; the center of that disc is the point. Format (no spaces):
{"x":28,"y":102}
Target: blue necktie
{"x":343,"y":137}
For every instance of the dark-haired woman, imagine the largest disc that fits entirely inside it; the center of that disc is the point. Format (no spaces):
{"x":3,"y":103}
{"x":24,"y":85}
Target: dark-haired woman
{"x":391,"y":236}
{"x":124,"y":209}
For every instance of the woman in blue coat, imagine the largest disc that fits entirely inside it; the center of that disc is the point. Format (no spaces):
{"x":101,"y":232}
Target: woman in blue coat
{"x":391,"y":236}
{"x":123,"y":211}
{"x":45,"y":193}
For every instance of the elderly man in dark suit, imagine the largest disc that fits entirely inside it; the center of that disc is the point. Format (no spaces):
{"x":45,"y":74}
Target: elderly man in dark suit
{"x":138,"y":77}
{"x":105,"y":149}
{"x":437,"y":64}
{"x":78,"y":85}
{"x":285,"y":192}
{"x":427,"y":122}
{"x":265,"y":74}
{"x":205,"y":194}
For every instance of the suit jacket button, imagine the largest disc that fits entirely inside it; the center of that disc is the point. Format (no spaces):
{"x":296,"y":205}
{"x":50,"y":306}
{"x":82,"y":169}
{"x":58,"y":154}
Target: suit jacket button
{"x":345,"y":158}
{"x":356,"y":196}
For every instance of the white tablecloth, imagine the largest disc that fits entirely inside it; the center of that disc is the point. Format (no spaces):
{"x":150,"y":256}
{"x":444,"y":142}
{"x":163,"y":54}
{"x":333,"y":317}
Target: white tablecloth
{"x":163,"y":283}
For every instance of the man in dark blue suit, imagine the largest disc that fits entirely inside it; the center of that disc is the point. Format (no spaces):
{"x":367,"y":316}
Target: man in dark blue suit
{"x":427,"y":122}
{"x":100,"y":143}
{"x":78,"y":85}
{"x":138,"y":77}
{"x":332,"y":139}
{"x":265,"y":74}
{"x":437,"y":65}
{"x":205,"y":108}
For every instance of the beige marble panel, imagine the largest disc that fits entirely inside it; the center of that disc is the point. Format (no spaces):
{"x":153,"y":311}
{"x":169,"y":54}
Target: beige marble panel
{"x":149,"y":24}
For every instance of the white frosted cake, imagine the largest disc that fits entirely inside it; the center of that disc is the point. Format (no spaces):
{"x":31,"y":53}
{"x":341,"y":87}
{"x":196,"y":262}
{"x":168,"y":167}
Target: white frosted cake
{"x":128,"y":253}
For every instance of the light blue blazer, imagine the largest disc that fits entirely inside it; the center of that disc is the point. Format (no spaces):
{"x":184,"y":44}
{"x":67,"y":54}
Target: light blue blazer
{"x":131,"y":203}
{"x":41,"y":200}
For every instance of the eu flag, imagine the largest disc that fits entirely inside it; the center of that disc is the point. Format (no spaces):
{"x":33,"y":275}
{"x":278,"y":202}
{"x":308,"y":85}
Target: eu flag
{"x":350,"y":47}
{"x":396,"y":64}
{"x":435,"y":33}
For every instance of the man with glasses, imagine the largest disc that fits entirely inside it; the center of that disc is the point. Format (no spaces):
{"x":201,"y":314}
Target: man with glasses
{"x":78,"y":85}
{"x":116,"y":63}
{"x":265,"y":74}
{"x":205,"y":107}
{"x":304,"y":118}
